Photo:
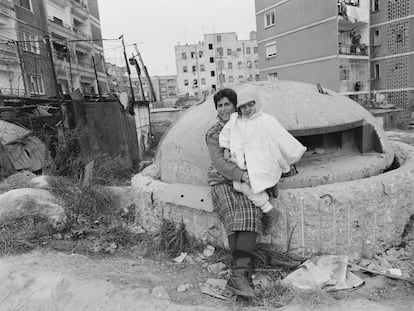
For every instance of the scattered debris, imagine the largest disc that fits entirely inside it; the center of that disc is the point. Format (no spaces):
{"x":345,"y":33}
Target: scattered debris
{"x":180,"y":258}
{"x":263,"y":282}
{"x":183,"y":287}
{"x":216,"y":268}
{"x":328,"y":272}
{"x":216,"y":288}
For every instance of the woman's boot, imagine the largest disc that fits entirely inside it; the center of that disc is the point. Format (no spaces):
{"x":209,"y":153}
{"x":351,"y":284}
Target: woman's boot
{"x":239,"y":280}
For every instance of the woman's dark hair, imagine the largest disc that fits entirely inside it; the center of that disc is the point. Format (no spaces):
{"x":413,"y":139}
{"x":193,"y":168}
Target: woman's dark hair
{"x":229,"y":93}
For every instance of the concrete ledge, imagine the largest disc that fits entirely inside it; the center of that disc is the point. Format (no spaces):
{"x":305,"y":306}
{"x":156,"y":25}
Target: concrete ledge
{"x":360,"y":217}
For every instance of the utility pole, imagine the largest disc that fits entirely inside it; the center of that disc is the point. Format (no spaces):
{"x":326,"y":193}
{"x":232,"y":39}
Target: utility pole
{"x":19,"y":53}
{"x":52,"y":64}
{"x":154,"y":97}
{"x":133,"y":61}
{"x":97,"y":81}
{"x":128,"y":70}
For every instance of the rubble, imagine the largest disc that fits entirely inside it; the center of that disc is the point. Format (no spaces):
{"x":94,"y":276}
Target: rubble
{"x":160,"y":293}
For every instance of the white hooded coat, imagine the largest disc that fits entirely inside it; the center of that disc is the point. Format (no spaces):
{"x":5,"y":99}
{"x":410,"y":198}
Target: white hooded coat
{"x":260,"y":143}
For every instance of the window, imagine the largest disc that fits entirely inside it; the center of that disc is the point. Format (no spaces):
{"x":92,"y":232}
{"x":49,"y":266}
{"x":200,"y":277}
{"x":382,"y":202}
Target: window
{"x":203,"y":80}
{"x":375,"y":6}
{"x":352,"y":2}
{"x":185,"y":69}
{"x":193,"y":68}
{"x":193,"y":54}
{"x":213,"y":73}
{"x":239,"y":65}
{"x":200,"y":54}
{"x":231,"y":79}
{"x":377,"y":71}
{"x":222,"y":78}
{"x":228,"y":52}
{"x":255,"y":50}
{"x":272,"y":76}
{"x":343,"y":73}
{"x":257,"y":77}
{"x":186,"y":82}
{"x":220,"y":64}
{"x":377,"y":40}
{"x":270,"y":19}
{"x":211,"y":59}
{"x":218,"y":38}
{"x":210,"y":46}
{"x":256,"y":64}
{"x":220,"y":51}
{"x":271,"y":49}
{"x":230,"y":65}
{"x":25,"y":4}
{"x":183,"y":56}
{"x":202,"y":68}
{"x":195,"y":83}
{"x":240,"y":77}
{"x":30,"y":42}
{"x":249,"y":64}
{"x":248,"y":50}
{"x":238,"y":50}
{"x":36,"y":85}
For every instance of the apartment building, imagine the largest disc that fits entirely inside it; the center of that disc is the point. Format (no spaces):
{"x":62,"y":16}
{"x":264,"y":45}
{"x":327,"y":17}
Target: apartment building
{"x":218,"y":61}
{"x":11,"y":79}
{"x":392,"y":52}
{"x":75,"y":31}
{"x":165,"y":87}
{"x":32,"y":48}
{"x":349,"y":46}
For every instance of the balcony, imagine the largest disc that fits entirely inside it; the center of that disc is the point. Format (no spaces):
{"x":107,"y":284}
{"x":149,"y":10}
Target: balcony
{"x":81,"y":34}
{"x":59,"y":27}
{"x":79,"y":9}
{"x":352,"y":13}
{"x":353,"y":49}
{"x":6,"y":3}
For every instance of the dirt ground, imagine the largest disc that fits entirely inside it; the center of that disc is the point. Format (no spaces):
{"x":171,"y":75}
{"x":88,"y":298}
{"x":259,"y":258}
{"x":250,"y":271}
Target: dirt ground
{"x":47,"y":280}
{"x":59,"y":281}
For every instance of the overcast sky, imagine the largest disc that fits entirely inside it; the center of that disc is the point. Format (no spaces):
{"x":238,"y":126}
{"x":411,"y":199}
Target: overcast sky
{"x":158,"y":25}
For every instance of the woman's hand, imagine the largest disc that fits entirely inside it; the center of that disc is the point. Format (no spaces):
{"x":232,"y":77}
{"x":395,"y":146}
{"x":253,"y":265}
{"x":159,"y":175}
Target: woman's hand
{"x":227,"y":155}
{"x":245,"y":177}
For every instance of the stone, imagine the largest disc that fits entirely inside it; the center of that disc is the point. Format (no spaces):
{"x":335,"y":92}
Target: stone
{"x":263,"y":282}
{"x":208,"y":251}
{"x":40,"y":182}
{"x":28,"y":201}
{"x":180,"y":258}
{"x":181,"y":288}
{"x":160,"y":293}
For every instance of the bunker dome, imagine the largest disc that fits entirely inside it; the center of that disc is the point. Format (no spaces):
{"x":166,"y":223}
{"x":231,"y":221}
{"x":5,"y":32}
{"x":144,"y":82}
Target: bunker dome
{"x":342,"y":138}
{"x":353,"y":193}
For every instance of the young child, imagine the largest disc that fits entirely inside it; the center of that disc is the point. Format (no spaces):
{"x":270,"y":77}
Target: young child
{"x":258,"y":143}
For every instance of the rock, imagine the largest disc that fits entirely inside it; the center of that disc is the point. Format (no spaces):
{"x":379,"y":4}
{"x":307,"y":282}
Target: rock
{"x":40,"y":182}
{"x":181,"y":288}
{"x":180,"y":258}
{"x":152,"y":171}
{"x":28,"y":201}
{"x":263,"y":282}
{"x":215,"y":268}
{"x":396,"y":272}
{"x":19,"y":180}
{"x":208,"y":251}
{"x":160,"y":293}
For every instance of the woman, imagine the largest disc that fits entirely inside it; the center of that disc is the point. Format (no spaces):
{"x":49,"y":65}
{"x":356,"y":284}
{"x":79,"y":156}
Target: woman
{"x":241,"y":218}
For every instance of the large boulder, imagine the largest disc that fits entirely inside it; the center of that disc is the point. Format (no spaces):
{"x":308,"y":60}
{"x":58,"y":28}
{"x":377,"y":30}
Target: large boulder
{"x":27,"y":201}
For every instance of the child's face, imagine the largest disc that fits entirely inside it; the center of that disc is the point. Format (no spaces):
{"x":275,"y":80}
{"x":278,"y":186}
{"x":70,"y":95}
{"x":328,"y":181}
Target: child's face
{"x":248,"y":109}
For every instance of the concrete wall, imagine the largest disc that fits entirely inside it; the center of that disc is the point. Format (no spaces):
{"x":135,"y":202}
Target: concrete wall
{"x":310,"y":73}
{"x":360,"y":217}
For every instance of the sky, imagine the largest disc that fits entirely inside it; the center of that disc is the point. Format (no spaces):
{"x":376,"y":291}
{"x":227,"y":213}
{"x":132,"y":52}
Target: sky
{"x":158,"y":25}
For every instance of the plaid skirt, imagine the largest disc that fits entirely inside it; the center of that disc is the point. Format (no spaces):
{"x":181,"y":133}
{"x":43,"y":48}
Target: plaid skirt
{"x":235,"y":210}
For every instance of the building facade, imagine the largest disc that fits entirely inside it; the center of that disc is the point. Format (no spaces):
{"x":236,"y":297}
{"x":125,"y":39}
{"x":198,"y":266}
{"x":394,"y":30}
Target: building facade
{"x":11,"y":79}
{"x":74,"y":27}
{"x":219,"y":61}
{"x":32,"y":48}
{"x":349,"y":46}
{"x":165,"y":87}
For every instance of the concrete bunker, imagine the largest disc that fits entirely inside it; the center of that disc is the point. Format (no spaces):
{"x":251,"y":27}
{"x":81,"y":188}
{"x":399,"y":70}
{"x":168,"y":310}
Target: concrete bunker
{"x":345,"y":198}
